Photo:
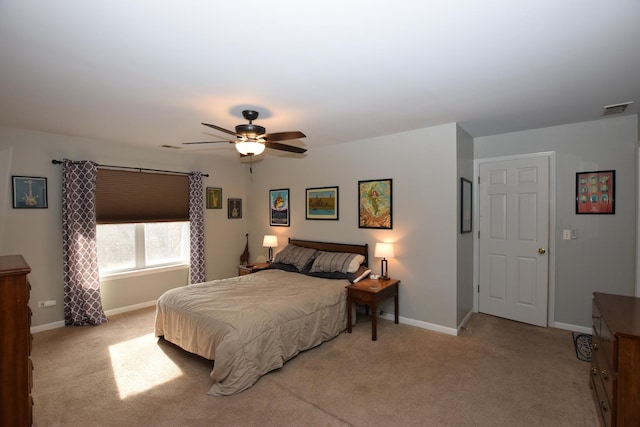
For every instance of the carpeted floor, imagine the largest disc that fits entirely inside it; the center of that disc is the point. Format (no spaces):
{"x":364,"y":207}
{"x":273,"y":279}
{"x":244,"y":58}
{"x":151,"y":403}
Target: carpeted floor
{"x":497,"y":373}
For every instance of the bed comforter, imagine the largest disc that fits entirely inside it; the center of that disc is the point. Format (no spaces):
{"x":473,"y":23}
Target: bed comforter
{"x":251,"y":324}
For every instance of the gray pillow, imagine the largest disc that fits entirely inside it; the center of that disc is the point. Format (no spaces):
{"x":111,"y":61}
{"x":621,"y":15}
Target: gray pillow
{"x":295,"y":255}
{"x":343,"y":262}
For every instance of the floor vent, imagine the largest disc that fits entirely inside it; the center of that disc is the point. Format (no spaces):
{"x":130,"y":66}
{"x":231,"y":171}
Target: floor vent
{"x":616,"y":109}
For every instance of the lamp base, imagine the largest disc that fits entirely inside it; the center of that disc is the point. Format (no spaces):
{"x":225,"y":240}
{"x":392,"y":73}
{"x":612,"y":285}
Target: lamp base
{"x":384,"y":270}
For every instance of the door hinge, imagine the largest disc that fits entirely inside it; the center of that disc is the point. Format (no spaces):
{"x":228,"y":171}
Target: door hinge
{"x":478,"y":179}
{"x":478,"y":288}
{"x":478,"y":234}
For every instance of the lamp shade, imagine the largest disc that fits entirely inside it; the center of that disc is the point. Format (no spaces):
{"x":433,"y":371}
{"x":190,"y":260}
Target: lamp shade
{"x":249,"y":147}
{"x":270,"y":241}
{"x":384,"y":250}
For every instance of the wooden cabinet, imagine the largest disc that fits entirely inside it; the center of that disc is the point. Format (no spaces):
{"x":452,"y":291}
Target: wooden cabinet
{"x":615,"y":365}
{"x":15,"y":342}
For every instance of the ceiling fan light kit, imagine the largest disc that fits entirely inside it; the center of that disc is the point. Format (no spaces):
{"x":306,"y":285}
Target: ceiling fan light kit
{"x":250,"y":148}
{"x":253,"y":139}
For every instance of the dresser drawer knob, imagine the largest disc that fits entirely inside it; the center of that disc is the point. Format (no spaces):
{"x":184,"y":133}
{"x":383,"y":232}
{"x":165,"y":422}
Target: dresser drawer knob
{"x":605,"y":374}
{"x":595,"y":346}
{"x":603,"y":405}
{"x":594,"y":371}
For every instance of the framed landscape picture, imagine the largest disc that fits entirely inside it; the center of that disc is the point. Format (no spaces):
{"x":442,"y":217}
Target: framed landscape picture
{"x":279,"y":207}
{"x":214,"y":198}
{"x":322,"y":203}
{"x":375,"y":204}
{"x":596,"y":192}
{"x":29,"y":192}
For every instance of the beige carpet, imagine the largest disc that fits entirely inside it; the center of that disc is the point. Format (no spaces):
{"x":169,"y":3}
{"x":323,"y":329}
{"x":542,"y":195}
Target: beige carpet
{"x":498,"y":373}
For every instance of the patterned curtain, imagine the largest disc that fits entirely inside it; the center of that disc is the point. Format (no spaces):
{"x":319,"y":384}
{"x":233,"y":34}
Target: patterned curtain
{"x":196,"y":220}
{"x":82,"y":302}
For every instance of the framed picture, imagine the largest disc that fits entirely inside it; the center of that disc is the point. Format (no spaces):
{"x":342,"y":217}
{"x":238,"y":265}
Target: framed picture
{"x":322,"y":203}
{"x":214,"y":198}
{"x":279,"y":207}
{"x":234,"y":207}
{"x":375,"y":204}
{"x":29,"y":192}
{"x":596,"y":192}
{"x":466,"y":206}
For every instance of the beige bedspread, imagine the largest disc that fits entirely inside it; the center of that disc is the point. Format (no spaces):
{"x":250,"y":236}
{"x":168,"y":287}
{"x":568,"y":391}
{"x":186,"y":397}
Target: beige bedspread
{"x":251,"y":324}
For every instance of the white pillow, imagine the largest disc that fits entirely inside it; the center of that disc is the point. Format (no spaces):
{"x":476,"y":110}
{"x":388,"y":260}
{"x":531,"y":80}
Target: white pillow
{"x":362,"y":276}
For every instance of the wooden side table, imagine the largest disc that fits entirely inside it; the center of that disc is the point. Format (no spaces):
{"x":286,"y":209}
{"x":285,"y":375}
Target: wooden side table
{"x":252,"y":268}
{"x":371,"y":292}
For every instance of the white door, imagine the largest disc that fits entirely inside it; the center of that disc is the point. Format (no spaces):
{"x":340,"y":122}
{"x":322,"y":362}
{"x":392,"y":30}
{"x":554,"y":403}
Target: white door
{"x":513,"y":240}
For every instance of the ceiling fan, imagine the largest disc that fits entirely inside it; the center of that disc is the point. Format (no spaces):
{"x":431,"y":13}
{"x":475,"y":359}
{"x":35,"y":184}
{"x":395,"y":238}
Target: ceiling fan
{"x":251,"y":139}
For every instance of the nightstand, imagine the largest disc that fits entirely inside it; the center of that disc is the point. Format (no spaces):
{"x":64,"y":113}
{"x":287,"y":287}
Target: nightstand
{"x":371,"y":292}
{"x":252,"y":268}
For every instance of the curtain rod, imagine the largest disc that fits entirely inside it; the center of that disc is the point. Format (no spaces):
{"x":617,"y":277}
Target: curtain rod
{"x":58,"y":162}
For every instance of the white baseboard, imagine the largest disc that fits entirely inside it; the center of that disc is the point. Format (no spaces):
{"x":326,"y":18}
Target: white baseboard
{"x":130,"y":308}
{"x":60,"y":324}
{"x":464,"y":321}
{"x":47,"y":326}
{"x":421,"y":324}
{"x":574,"y":328}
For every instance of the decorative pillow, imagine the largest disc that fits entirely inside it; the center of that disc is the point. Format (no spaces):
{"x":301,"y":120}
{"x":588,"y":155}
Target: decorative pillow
{"x":343,"y":262}
{"x":362,"y":272}
{"x":295,"y":255}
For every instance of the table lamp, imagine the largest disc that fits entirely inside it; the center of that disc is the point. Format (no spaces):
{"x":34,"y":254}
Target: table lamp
{"x":270,"y":242}
{"x":384,"y":251}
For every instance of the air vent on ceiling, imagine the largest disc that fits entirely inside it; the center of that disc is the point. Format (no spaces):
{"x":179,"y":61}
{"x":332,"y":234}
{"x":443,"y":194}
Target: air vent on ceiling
{"x":171,"y":146}
{"x":616,"y":109}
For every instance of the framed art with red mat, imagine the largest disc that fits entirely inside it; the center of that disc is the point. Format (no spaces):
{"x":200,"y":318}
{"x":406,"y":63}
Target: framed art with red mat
{"x":595,"y":192}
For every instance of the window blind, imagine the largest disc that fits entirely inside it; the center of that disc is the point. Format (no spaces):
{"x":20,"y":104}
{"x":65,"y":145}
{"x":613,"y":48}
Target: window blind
{"x":128,"y":196}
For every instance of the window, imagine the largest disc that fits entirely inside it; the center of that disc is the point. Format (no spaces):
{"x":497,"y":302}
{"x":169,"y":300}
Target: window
{"x":129,"y":247}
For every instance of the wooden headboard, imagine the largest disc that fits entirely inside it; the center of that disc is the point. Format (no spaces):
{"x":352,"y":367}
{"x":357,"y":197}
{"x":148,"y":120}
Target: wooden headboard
{"x":334,"y":247}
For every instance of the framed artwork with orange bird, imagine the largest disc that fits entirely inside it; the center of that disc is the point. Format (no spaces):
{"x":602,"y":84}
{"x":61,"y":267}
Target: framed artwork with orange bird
{"x":279,"y":214}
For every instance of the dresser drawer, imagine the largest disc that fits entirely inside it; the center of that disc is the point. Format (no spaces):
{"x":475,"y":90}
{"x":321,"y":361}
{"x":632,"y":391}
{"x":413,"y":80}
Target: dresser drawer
{"x":595,"y":318}
{"x":601,"y":370}
{"x":608,"y":345}
{"x":601,"y":401}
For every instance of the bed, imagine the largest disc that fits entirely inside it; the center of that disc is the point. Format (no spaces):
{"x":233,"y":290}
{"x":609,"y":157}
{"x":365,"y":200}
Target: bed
{"x":252,"y":324}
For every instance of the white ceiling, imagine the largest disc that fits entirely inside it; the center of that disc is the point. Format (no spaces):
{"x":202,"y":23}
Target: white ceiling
{"x":148,"y":72}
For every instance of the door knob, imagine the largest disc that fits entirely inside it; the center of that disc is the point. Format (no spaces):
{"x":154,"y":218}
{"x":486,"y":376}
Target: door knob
{"x":542,"y":251}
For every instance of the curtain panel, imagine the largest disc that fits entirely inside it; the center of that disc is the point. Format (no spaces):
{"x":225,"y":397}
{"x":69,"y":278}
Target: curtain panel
{"x":82,"y":301}
{"x":196,"y":227}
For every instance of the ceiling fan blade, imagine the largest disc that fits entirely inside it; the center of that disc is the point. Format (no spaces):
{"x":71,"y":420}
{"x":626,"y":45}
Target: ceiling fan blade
{"x":208,"y":142}
{"x":284,"y":147}
{"x":283,"y":136}
{"x":220,"y":129}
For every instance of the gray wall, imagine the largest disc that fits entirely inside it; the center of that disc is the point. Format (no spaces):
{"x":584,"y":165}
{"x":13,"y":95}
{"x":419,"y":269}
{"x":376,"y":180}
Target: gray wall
{"x":433,"y":260}
{"x":603,"y":257}
{"x":37,"y":235}
{"x":422,"y":164}
{"x":465,"y":287}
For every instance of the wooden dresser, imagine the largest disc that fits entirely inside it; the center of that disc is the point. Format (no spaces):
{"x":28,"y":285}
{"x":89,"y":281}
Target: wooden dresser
{"x":15,"y":343}
{"x":615,"y":366}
